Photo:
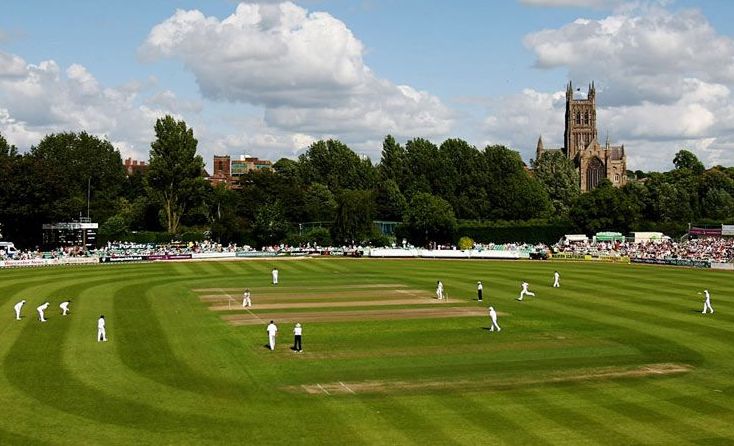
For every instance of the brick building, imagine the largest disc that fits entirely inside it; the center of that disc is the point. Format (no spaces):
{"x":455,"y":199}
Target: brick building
{"x":228,"y":171}
{"x":134,"y":166}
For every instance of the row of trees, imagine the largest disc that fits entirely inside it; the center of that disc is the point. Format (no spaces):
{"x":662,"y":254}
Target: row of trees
{"x":330,"y":194}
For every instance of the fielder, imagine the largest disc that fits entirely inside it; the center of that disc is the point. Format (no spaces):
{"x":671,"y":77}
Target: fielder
{"x":17,"y":308}
{"x":272,"y":332}
{"x":275,"y":276}
{"x":64,"y":307}
{"x":556,"y":280}
{"x":246,"y":302}
{"x":439,"y":290}
{"x":707,"y":302}
{"x":479,"y":291}
{"x":101,"y":331}
{"x":525,"y":291}
{"x":41,"y":309}
{"x":493,"y":316}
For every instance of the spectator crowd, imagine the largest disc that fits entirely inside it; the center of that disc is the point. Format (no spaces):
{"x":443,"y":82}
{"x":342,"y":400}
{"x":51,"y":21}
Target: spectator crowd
{"x":714,"y":249}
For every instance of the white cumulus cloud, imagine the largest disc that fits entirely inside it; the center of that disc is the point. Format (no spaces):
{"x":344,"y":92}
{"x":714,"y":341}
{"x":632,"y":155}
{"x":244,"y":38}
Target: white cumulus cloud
{"x":306,"y":70}
{"x":664,"y":81}
{"x":39,"y":99}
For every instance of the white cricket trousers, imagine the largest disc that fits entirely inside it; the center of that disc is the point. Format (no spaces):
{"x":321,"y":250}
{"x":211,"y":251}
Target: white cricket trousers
{"x":101,"y":335}
{"x":271,"y":339}
{"x":523,"y":293}
{"x":494,"y":325}
{"x":707,"y":305}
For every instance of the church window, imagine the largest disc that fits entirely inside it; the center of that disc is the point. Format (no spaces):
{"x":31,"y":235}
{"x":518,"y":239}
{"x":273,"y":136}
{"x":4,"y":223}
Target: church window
{"x":578,"y":117}
{"x":616,"y":178}
{"x":586,"y":118}
{"x":594,"y":173}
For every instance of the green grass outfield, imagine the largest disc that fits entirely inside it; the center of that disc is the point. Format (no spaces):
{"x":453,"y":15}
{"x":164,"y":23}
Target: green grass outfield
{"x":619,"y":355}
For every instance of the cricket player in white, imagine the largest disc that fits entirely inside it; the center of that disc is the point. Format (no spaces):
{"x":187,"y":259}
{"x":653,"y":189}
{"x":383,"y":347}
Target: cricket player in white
{"x":479,"y":291}
{"x":525,"y":291}
{"x":297,"y":333}
{"x":41,"y":309}
{"x":17,"y":308}
{"x":246,"y":302}
{"x":707,"y":302}
{"x":275,"y":276}
{"x":493,"y":316}
{"x":556,"y":280}
{"x":101,"y":331}
{"x":64,"y":307}
{"x":272,"y":332}
{"x":439,"y":290}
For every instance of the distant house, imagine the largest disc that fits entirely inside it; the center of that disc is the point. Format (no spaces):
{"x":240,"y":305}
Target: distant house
{"x":134,"y":166}
{"x":227,"y":171}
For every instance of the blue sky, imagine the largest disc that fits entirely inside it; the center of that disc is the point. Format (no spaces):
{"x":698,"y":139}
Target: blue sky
{"x":487,"y":72}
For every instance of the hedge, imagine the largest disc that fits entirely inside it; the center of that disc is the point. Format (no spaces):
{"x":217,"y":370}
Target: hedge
{"x":507,"y":232}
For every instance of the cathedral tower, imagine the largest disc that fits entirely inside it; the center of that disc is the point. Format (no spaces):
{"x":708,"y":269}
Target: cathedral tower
{"x":580,"y":128}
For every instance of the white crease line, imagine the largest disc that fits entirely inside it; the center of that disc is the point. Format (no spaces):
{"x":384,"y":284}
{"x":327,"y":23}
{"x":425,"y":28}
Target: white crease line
{"x":347,"y":387}
{"x":246,"y":309}
{"x":325,"y":391}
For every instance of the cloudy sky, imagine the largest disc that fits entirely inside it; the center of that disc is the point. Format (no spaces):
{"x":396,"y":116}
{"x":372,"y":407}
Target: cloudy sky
{"x":268,"y":78}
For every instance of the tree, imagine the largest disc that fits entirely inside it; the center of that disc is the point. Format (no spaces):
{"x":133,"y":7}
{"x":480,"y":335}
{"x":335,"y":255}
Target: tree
{"x":393,"y":163}
{"x":88,"y":164}
{"x":354,"y":214}
{"x":687,"y":160}
{"x":221,"y":206}
{"x":174,"y":174}
{"x":718,"y":204}
{"x":270,"y":226}
{"x":606,"y":208}
{"x":33,"y":193}
{"x":319,"y":203}
{"x":390,"y":202}
{"x":334,"y":164}
{"x":425,"y":168}
{"x":513,"y":193}
{"x":463,"y":176}
{"x":263,"y":186}
{"x":114,"y":228}
{"x":7,"y":150}
{"x":560,"y":179}
{"x":429,"y":218}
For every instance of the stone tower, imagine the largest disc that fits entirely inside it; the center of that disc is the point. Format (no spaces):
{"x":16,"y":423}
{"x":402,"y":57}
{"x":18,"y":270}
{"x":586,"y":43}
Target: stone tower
{"x":593,"y":161}
{"x":580,"y":121}
{"x":539,"y":149}
{"x":222,"y":166}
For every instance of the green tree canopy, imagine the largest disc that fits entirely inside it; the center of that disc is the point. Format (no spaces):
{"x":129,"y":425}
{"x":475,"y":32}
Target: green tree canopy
{"x":319,"y":203}
{"x":6,"y":150}
{"x":393,"y":162}
{"x":390,"y":202}
{"x":354,"y":215}
{"x":334,"y":164}
{"x":685,"y":159}
{"x":270,"y":225}
{"x":429,"y":219}
{"x":85,"y":161}
{"x":559,"y":178}
{"x":174,"y":176}
{"x":606,"y":208}
{"x":513,"y":193}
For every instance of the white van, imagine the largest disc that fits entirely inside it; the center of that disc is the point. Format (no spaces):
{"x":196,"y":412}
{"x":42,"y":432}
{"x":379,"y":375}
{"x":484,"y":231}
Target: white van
{"x":7,"y":249}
